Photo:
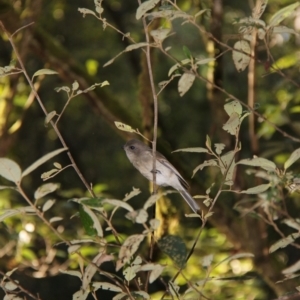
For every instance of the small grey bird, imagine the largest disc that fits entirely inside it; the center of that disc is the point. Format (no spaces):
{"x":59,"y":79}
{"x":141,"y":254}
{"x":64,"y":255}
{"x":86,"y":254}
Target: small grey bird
{"x":140,"y":155}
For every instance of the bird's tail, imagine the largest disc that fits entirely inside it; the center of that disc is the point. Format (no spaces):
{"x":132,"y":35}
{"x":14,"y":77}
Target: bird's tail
{"x":190,"y":200}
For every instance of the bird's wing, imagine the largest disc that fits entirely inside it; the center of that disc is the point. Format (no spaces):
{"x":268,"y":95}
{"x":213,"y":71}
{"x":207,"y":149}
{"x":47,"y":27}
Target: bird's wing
{"x":166,"y":163}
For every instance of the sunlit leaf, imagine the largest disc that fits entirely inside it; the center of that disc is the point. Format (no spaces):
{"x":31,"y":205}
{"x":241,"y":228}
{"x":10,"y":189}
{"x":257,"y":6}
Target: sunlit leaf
{"x":144,"y":7}
{"x":50,"y":116}
{"x":185,"y":82}
{"x":196,"y":149}
{"x":136,"y":46}
{"x":45,"y":189}
{"x":233,"y":107}
{"x":282,"y":14}
{"x":132,"y":194}
{"x":259,"y":8}
{"x":257,"y":189}
{"x":292,"y":269}
{"x":42,"y":160}
{"x":118,"y":203}
{"x":207,"y":163}
{"x":10,"y":170}
{"x":282,"y":243}
{"x":48,"y":205}
{"x":258,"y":162}
{"x":75,"y":86}
{"x":44,"y":72}
{"x":241,"y":60}
{"x":124,"y":127}
{"x":294,"y":157}
{"x":129,"y":247}
{"x":160,"y":34}
{"x":86,"y":11}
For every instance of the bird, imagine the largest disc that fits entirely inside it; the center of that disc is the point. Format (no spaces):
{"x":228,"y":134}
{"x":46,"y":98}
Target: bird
{"x":141,"y":156}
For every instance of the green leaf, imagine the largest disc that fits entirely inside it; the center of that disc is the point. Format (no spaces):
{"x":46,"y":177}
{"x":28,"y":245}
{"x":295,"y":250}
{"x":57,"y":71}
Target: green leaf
{"x":282,"y":14}
{"x":87,"y":222}
{"x":196,"y":149}
{"x":185,"y":83}
{"x":187,"y":52}
{"x":93,"y":202}
{"x":233,"y":107}
{"x":257,"y":189}
{"x":282,"y":243}
{"x":241,"y":60}
{"x":45,"y":189}
{"x":259,"y":162}
{"x":42,"y":160}
{"x":175,"y":248}
{"x":144,"y":7}
{"x":10,"y":170}
{"x":294,"y":157}
{"x":44,"y":72}
{"x":124,"y":127}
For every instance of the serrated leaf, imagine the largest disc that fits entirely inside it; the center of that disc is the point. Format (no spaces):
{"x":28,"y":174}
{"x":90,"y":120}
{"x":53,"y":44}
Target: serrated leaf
{"x":86,"y":11}
{"x":10,"y":170}
{"x":258,"y":162}
{"x":232,"y":125}
{"x":282,"y":243}
{"x":175,"y":248}
{"x":227,"y":167}
{"x":196,"y":149}
{"x":132,"y":194}
{"x":44,"y":72}
{"x":257,"y":189}
{"x":241,"y":60}
{"x":294,"y":157}
{"x":144,"y":7}
{"x":185,"y":83}
{"x":219,"y":148}
{"x":282,"y":14}
{"x":130,"y":272}
{"x":45,"y":189}
{"x":127,"y":250}
{"x":48,"y":205}
{"x":42,"y":160}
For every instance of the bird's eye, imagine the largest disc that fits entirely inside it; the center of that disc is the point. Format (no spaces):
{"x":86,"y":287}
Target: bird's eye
{"x":132,"y":147}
